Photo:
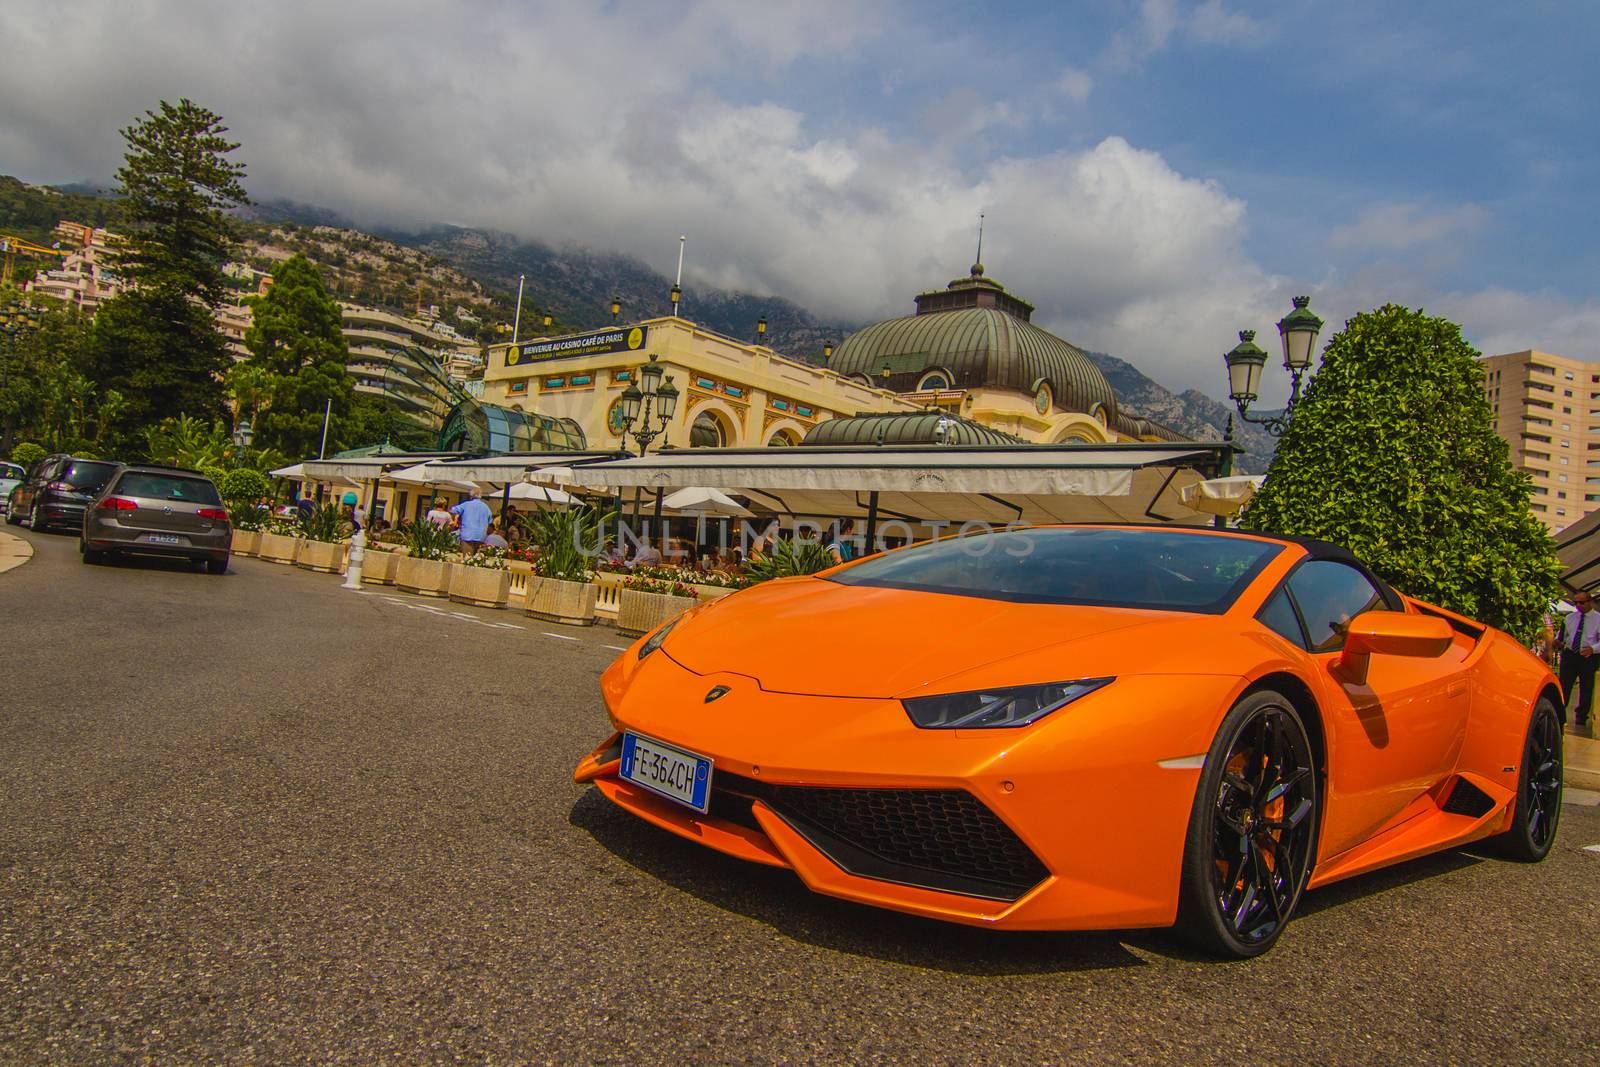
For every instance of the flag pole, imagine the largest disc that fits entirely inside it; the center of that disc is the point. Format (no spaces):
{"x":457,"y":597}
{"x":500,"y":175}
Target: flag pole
{"x":678,"y":283}
{"x":327,"y":412}
{"x":516,"y":323}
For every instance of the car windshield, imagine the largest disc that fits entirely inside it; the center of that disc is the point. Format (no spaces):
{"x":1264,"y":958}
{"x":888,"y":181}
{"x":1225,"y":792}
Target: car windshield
{"x":87,"y":475}
{"x":168,"y":487}
{"x":11,"y":470}
{"x":1153,"y":569}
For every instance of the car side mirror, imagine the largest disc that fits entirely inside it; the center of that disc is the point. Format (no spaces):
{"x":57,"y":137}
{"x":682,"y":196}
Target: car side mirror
{"x":1391,"y":633}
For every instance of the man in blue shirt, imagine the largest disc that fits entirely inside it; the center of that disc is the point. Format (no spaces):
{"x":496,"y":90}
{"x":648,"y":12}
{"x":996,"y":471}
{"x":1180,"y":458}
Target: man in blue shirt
{"x":473,"y":515}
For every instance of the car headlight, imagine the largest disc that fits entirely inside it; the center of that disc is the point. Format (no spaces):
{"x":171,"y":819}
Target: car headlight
{"x":655,"y":639}
{"x":990,"y":708}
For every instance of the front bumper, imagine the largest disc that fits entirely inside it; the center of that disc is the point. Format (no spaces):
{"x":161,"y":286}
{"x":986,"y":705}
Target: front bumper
{"x":1081,"y":793}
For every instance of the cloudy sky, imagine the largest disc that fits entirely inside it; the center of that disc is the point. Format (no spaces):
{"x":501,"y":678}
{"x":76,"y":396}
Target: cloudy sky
{"x":1156,"y":174}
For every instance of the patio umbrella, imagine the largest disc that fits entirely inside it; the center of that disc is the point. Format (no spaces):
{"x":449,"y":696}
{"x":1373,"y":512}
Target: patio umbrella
{"x":1222,"y":496}
{"x":539,"y":494}
{"x":706,"y":501}
{"x":549,"y":476}
{"x":420,"y":475}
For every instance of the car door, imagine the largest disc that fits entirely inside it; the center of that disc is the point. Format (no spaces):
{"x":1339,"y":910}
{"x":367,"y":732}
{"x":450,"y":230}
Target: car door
{"x":1391,"y":738}
{"x":39,"y":476}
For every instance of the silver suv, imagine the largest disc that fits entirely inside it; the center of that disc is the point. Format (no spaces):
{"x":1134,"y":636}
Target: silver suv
{"x":158,"y":511}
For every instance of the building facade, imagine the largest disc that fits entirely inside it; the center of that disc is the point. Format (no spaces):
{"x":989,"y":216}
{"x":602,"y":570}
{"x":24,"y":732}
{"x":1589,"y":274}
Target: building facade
{"x":1547,"y":407}
{"x":970,"y":353}
{"x":85,"y":278}
{"x":730,"y":393}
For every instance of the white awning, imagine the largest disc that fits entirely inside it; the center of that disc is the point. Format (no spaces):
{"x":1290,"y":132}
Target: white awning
{"x":513,"y":467}
{"x":427,"y":474}
{"x":990,"y":483}
{"x":295,"y":471}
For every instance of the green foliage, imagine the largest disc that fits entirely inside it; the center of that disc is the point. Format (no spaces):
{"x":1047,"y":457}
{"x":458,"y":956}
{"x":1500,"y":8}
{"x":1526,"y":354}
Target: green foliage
{"x":188,"y":442}
{"x":160,"y":351}
{"x":297,"y":364}
{"x":45,"y":394}
{"x":425,"y":540}
{"x":326,"y":522}
{"x":1392,"y":453}
{"x":26,"y":454}
{"x":788,"y":558}
{"x":569,"y":541}
{"x":31,"y":213}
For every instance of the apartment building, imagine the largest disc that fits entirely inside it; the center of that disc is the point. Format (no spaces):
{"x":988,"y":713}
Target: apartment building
{"x":1547,"y":407}
{"x":85,"y":278}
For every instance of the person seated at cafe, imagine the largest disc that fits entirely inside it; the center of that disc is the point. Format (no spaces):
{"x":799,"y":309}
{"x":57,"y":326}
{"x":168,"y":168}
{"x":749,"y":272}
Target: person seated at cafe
{"x":494,"y":538}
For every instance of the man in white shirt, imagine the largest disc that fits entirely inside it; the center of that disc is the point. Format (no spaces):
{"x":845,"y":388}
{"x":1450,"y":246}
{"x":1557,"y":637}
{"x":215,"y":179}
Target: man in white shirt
{"x":1580,"y":655}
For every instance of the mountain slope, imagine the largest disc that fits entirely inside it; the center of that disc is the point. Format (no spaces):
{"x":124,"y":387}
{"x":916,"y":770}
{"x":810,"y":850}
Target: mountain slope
{"x":1190,"y":412}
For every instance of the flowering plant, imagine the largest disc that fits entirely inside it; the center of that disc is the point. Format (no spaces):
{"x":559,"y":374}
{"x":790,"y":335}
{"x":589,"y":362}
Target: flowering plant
{"x":644,"y":583}
{"x":492,"y":559}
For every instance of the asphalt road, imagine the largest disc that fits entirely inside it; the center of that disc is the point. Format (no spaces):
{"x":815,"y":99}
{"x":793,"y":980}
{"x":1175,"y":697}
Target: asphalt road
{"x":260,"y":818}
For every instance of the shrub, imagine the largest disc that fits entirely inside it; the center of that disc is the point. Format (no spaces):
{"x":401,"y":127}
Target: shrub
{"x":1392,"y":453}
{"x":26,"y":454}
{"x":789,"y":558}
{"x":324,"y":523}
{"x":569,"y":542}
{"x":242,"y":492}
{"x":424,"y":540}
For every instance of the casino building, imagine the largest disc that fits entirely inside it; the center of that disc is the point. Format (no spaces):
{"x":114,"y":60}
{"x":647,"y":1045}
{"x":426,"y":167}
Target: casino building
{"x":968,"y":366}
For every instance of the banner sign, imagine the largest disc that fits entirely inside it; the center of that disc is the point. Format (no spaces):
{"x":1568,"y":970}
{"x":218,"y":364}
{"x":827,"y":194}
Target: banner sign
{"x":620,"y":339}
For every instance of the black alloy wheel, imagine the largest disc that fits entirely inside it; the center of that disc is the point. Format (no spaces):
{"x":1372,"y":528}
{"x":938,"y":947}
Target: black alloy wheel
{"x":1537,"y":813}
{"x":90,"y":555}
{"x":36,"y":521}
{"x":1252,"y":832}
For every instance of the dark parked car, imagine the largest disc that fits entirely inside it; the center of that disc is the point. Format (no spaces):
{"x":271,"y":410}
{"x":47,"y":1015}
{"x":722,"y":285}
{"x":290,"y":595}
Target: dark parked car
{"x":57,"y":491}
{"x":159,"y":511}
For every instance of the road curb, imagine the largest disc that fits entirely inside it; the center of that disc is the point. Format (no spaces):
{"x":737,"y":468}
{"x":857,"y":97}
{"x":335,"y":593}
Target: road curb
{"x":1580,"y":766}
{"x":14,"y":552}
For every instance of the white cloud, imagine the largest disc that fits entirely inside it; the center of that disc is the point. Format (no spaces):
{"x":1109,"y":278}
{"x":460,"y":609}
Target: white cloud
{"x":1159,"y":23}
{"x":614,"y":130}
{"x":1397,"y":227}
{"x":1075,"y":84}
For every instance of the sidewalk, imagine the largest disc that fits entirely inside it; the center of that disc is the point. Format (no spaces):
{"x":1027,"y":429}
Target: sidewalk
{"x":1582,"y":769}
{"x":14,"y":552}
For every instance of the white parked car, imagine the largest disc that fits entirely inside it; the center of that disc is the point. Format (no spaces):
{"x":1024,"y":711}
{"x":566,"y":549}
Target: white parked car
{"x":11,"y":476}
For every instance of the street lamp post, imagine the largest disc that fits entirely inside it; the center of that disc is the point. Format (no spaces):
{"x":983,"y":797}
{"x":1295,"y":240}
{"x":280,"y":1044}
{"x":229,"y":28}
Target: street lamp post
{"x":1298,"y":331}
{"x":16,"y":320}
{"x":243,"y":434}
{"x":648,"y":404}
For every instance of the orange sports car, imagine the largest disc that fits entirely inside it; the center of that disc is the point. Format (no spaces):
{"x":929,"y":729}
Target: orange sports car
{"x":1085,"y":727}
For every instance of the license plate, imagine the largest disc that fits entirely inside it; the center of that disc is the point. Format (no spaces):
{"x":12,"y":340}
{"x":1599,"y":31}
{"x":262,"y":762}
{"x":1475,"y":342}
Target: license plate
{"x":672,"y":772}
{"x":164,"y":539}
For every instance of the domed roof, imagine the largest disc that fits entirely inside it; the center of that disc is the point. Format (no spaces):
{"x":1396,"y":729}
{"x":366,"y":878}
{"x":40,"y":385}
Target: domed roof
{"x":906,"y":428}
{"x":981,"y":336}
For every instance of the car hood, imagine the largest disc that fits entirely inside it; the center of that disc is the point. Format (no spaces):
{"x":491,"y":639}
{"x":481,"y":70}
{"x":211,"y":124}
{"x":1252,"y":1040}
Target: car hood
{"x":815,"y":637}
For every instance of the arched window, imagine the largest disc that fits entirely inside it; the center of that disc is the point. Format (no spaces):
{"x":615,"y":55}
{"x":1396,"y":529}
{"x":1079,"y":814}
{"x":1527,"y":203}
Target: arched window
{"x":781,"y":439}
{"x":934,"y":381}
{"x":706,"y":432}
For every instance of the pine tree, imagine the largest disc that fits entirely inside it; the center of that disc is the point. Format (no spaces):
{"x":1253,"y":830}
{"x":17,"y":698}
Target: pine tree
{"x":1392,"y":453}
{"x":157,"y":342}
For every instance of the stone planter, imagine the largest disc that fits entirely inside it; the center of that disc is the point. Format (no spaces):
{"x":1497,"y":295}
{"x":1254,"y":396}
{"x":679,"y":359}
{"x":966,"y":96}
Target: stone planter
{"x":425,"y":577}
{"x":246,"y":542}
{"x":324,"y":557}
{"x":703,"y":593}
{"x":554,"y":600}
{"x":479,"y":585}
{"x":639,"y":612}
{"x":278,"y":548}
{"x":379,"y":565}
